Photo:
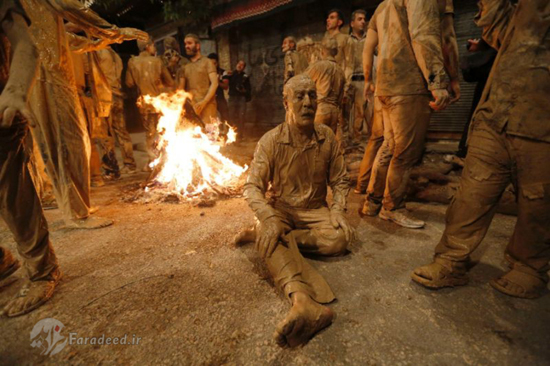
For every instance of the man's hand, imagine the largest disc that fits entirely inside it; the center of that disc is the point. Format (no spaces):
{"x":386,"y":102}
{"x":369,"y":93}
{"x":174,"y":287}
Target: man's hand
{"x":199,"y":107}
{"x":12,"y":104}
{"x":474,"y":45}
{"x":129,"y":34}
{"x":454,"y":89}
{"x":338,"y":220}
{"x":441,"y":101}
{"x":369,"y":89}
{"x":269,"y":236}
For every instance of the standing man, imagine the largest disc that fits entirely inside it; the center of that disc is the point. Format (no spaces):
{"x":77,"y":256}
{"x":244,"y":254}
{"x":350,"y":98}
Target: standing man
{"x":240,"y":93}
{"x":200,"y":78}
{"x":295,"y":62}
{"x":369,"y":172}
{"x":355,"y":79}
{"x":223,"y":84}
{"x":111,"y":65}
{"x":335,"y":21}
{"x":411,"y":70}
{"x":329,"y":81}
{"x":19,"y":203}
{"x":299,"y":160}
{"x":151,"y":77}
{"x":509,"y":142}
{"x":61,"y":127}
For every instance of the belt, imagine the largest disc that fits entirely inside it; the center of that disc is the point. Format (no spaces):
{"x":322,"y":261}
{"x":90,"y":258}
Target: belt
{"x":358,"y":78}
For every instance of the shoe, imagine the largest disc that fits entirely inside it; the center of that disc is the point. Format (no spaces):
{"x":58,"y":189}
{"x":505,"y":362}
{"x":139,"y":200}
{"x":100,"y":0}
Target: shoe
{"x":128,"y":170}
{"x":359,"y":191}
{"x":9,"y":265}
{"x":33,"y":295}
{"x":90,"y":222}
{"x":97,"y":182}
{"x":370,"y":208}
{"x":400,"y":218}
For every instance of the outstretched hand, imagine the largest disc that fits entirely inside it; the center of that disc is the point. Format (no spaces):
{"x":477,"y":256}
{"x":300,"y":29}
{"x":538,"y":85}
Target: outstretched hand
{"x":129,"y":34}
{"x":338,"y":220}
{"x":12,"y":104}
{"x":269,"y":235}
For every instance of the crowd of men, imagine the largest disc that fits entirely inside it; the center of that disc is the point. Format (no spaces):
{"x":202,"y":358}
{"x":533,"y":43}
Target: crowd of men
{"x":61,"y":117}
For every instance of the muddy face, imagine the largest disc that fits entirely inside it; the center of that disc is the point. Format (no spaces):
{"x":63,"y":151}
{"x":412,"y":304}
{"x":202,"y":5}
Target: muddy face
{"x":301,"y":101}
{"x":192,"y":47}
{"x":333,"y":22}
{"x":288,"y":45}
{"x":358,"y":23}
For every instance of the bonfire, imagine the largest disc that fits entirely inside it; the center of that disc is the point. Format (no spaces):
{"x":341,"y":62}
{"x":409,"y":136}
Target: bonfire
{"x":190,"y":166}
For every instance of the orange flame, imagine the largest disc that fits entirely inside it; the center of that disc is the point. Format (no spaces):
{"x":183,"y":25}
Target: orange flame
{"x":191,"y":161}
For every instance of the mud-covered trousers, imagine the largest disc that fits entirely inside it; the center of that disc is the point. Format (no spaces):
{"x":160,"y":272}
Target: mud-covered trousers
{"x":406,"y":120}
{"x":371,"y":150}
{"x":120,"y":133}
{"x":494,"y":161}
{"x":20,"y":206}
{"x":314,"y":235}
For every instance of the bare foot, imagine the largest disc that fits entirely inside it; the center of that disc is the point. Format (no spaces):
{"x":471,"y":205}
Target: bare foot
{"x":91,"y":222}
{"x":305,"y":318}
{"x":245,"y":236}
{"x":33,"y":295}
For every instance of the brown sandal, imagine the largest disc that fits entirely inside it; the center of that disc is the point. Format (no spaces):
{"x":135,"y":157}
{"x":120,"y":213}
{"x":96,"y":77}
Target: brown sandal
{"x":526,"y":286}
{"x":435,"y":276}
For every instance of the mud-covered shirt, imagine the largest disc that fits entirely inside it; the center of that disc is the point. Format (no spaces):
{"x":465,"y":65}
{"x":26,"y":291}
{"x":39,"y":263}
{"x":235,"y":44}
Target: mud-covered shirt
{"x":410,"y":59}
{"x":298,"y":175}
{"x":516,"y":96}
{"x":197,"y":79}
{"x":329,"y":81}
{"x":341,"y":40}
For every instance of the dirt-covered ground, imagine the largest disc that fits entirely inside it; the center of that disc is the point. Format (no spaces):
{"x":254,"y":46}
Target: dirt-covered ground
{"x":170,"y":275}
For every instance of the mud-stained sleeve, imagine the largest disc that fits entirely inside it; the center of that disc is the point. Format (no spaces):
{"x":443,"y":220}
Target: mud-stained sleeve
{"x":259,"y":176}
{"x":348,"y":64}
{"x":493,"y":17}
{"x":338,"y":178}
{"x":313,"y":71}
{"x":425,"y":32}
{"x":130,"y":82}
{"x":79,"y":44}
{"x":75,"y":12}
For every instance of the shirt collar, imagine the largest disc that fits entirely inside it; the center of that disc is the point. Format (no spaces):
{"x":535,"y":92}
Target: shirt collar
{"x":352,"y":35}
{"x":284,"y":134}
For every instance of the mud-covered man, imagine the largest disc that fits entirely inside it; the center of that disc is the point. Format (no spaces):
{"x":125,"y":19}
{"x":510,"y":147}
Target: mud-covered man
{"x":509,"y":143}
{"x":329,"y":80}
{"x":200,"y":78}
{"x":151,"y":77}
{"x":299,"y":160}
{"x":19,"y":203}
{"x":295,"y":62}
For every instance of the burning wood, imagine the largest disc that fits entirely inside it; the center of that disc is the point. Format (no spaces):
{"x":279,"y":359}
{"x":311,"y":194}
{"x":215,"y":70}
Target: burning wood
{"x":190,"y":166}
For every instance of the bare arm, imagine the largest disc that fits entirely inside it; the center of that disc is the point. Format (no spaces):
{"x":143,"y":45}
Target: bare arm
{"x":199,"y":106}
{"x":368,"y":59}
{"x":23,"y":64}
{"x":166,"y":77}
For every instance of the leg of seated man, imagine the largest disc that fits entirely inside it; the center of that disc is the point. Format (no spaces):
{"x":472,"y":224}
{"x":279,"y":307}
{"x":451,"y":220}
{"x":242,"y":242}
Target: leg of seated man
{"x":304,"y":287}
{"x":316,"y":235}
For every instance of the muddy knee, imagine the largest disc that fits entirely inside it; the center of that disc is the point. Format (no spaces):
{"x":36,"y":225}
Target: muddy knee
{"x":332,"y":242}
